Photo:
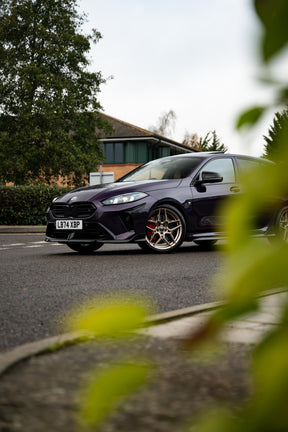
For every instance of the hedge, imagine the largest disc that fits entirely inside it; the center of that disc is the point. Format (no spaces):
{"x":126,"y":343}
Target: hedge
{"x":26,"y":205}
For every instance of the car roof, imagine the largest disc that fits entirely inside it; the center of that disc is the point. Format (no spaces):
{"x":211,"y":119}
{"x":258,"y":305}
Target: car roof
{"x":218,"y":153}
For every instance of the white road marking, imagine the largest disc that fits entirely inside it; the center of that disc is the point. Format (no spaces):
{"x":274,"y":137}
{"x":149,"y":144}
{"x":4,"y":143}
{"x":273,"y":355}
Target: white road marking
{"x":29,"y":245}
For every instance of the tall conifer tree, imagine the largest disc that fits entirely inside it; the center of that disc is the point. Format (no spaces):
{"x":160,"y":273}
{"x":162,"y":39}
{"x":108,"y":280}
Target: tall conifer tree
{"x":277,"y":136}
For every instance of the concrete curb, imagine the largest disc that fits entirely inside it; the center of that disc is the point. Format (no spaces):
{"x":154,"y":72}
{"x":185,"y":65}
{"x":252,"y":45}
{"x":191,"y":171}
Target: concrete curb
{"x":22,"y":352}
{"x":25,"y":351}
{"x":22,"y":229}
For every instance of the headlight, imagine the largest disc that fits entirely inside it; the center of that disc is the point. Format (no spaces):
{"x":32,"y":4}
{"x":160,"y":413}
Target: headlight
{"x":125,"y":198}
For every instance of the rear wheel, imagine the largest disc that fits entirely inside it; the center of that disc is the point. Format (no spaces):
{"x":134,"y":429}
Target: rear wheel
{"x":84,"y":248}
{"x":165,"y":229}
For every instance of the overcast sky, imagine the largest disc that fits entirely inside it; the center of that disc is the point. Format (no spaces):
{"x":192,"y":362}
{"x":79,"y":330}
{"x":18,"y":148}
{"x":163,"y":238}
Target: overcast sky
{"x":196,"y":57}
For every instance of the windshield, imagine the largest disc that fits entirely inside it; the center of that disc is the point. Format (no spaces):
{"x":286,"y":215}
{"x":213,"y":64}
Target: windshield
{"x":164,"y":169}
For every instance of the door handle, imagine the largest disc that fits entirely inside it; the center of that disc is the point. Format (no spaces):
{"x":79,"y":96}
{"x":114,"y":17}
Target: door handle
{"x":235,"y":189}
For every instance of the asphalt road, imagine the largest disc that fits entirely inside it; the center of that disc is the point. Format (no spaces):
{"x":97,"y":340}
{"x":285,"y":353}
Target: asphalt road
{"x":40,"y":282}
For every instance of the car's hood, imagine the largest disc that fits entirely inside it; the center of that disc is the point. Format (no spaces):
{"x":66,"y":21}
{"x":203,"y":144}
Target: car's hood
{"x":101,"y":192}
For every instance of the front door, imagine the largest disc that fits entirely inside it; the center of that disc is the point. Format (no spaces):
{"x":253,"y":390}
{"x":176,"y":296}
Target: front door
{"x":208,"y":197}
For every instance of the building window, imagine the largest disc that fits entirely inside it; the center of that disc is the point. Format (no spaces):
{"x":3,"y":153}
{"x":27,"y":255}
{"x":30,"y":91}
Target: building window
{"x":164,"y":151}
{"x":109,"y":152}
{"x":118,"y":153}
{"x":113,"y":152}
{"x":136,"y":152}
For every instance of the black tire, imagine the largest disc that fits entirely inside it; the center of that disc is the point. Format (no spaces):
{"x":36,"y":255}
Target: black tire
{"x":205,"y":244}
{"x":281,"y":226}
{"x":143,"y":245}
{"x":85,"y":248}
{"x":165,"y":229}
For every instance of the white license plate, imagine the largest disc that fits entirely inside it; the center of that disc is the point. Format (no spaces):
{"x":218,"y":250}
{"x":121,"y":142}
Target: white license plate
{"x":69,"y":224}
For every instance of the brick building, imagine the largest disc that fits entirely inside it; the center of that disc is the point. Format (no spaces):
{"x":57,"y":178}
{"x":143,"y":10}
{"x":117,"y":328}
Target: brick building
{"x":129,"y":146}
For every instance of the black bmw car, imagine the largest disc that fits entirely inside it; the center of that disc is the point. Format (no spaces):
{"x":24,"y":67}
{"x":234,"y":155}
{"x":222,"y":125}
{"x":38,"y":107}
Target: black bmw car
{"x":158,"y":205}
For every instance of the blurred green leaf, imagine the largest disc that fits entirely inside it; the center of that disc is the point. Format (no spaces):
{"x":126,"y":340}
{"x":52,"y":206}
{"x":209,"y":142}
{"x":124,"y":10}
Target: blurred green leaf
{"x":252,"y":266}
{"x":111,"y":318}
{"x":107,"y":388}
{"x":268,"y":409}
{"x":274,"y":17}
{"x":115,"y":317}
{"x":219,"y":420}
{"x":283,"y":96}
{"x":265,"y":77}
{"x":249,"y":273}
{"x":272,"y":351}
{"x":250,"y":117}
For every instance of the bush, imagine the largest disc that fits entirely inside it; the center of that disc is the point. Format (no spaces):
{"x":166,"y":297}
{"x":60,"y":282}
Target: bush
{"x":26,"y":205}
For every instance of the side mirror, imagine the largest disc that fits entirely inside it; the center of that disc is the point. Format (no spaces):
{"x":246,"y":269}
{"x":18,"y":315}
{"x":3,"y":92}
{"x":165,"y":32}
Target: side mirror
{"x":210,"y":177}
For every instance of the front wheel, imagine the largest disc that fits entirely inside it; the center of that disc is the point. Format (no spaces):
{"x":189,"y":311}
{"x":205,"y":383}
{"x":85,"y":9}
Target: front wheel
{"x":281,"y":225}
{"x":206,"y":245}
{"x":165,"y":229}
{"x":84,"y":248}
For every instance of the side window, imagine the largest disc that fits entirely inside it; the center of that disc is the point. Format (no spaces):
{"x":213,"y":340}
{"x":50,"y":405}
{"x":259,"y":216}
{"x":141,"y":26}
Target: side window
{"x":245,"y":164}
{"x":222,"y":166}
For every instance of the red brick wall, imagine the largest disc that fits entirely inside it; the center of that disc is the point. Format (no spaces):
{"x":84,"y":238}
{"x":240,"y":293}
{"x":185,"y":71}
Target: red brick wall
{"x":119,"y":169}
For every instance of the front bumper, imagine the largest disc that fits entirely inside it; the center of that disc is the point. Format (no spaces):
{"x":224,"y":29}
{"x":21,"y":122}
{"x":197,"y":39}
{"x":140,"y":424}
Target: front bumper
{"x":105,"y":226}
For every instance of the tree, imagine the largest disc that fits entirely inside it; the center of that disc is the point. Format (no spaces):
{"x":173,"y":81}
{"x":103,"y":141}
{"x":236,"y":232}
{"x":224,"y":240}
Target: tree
{"x":190,"y":140}
{"x":276,"y":134}
{"x":210,"y":142}
{"x":166,"y":124}
{"x":48,"y":98}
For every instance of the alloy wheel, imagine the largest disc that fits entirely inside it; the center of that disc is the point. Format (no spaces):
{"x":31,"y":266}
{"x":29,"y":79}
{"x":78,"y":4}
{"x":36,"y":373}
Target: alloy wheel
{"x":283,"y":224}
{"x":165,"y":229}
